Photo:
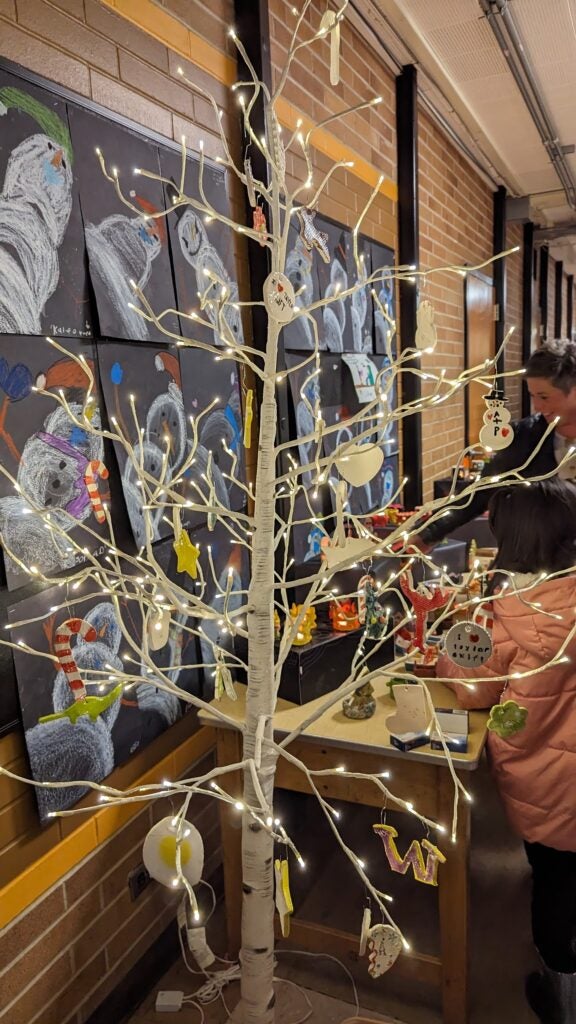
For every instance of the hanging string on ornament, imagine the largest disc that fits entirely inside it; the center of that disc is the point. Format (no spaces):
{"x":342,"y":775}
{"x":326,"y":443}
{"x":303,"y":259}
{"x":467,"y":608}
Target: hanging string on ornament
{"x":497,"y":432}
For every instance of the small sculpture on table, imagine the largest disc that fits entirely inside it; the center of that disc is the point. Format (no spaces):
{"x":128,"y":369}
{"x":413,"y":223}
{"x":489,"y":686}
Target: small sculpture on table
{"x":343,"y":615}
{"x":307,"y":625}
{"x":277,"y":624}
{"x":362,"y":703}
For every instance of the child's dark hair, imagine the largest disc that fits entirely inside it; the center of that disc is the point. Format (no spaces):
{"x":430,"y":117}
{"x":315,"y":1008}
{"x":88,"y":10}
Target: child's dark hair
{"x":535,"y":526}
{"x":555,"y":362}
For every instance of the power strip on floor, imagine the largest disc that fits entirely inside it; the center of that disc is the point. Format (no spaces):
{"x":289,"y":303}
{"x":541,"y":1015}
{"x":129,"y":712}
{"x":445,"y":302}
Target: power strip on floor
{"x":169,"y":1001}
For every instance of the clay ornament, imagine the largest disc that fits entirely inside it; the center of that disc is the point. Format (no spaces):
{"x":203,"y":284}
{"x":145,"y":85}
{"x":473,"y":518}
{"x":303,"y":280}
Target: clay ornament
{"x":384,"y":948}
{"x":279,"y":300}
{"x":425,"y":871}
{"x":507,"y":719}
{"x":425,"y":338}
{"x":82,"y":705}
{"x":259,"y":224}
{"x":311,"y":236}
{"x":283,"y":898}
{"x":468,"y":644}
{"x":358,"y":464}
{"x":497,"y":432}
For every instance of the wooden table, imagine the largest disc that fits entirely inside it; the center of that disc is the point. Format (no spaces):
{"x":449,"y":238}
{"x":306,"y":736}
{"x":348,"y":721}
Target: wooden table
{"x":420,"y":775}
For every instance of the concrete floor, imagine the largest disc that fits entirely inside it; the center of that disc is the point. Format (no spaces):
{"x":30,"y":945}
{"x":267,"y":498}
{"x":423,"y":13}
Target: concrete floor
{"x":501,"y":951}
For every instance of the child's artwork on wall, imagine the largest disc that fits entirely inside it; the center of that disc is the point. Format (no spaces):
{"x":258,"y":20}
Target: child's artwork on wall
{"x":155,"y":424}
{"x":203,"y":255}
{"x":123,"y":245}
{"x":47,"y":457}
{"x":384,"y":335}
{"x":301,"y":269}
{"x":43,"y":280}
{"x":89,"y":748}
{"x":205,"y":378}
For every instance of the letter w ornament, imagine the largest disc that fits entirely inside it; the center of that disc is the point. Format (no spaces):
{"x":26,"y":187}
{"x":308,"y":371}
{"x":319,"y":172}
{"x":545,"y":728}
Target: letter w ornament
{"x":424,"y":870}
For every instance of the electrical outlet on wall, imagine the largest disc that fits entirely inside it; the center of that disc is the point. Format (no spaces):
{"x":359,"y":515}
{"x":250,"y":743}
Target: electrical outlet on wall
{"x":138,"y":880}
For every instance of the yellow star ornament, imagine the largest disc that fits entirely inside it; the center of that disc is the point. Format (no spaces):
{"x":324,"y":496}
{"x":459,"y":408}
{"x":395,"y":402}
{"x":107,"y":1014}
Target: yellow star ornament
{"x":188,"y":554}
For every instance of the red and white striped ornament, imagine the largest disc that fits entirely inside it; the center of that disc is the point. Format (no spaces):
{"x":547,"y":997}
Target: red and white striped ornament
{"x":94,"y":470}
{"x":63,"y":651}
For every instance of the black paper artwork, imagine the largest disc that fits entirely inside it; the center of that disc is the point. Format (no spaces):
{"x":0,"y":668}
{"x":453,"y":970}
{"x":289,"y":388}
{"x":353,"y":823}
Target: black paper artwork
{"x":203,"y":255}
{"x":123,"y":246}
{"x":43,"y":278}
{"x":302,"y":271}
{"x":383,"y":257}
{"x":47,"y":454}
{"x":87,"y":750}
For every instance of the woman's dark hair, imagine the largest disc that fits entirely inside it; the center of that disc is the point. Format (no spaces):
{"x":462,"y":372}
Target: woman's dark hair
{"x":535,"y":526}
{"x":555,"y":362}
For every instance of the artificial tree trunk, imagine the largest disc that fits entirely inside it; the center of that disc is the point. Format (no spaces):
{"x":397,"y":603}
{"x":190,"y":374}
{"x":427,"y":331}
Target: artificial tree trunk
{"x":257,"y":951}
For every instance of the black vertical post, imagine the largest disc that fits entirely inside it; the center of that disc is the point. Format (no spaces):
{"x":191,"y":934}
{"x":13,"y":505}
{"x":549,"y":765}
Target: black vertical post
{"x":498,"y":245}
{"x":527,"y":312}
{"x":543,"y":292}
{"x":559,"y":278}
{"x":569,"y":305}
{"x":408,"y":253}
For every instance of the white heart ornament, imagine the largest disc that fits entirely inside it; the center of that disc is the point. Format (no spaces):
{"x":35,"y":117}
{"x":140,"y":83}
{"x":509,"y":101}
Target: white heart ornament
{"x":158,"y":628}
{"x":384,"y":948}
{"x":358,"y":463}
{"x":279,"y":298}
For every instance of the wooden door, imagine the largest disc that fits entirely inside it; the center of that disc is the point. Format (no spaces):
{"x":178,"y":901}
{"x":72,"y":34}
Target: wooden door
{"x":479,"y":315}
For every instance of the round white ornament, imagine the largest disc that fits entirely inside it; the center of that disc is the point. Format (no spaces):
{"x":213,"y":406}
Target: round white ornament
{"x":384,"y":948}
{"x":159,"y":851}
{"x":468,"y":644}
{"x":358,"y":463}
{"x":279,"y":298}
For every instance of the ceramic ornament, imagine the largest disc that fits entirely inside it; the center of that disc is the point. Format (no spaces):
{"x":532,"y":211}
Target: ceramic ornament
{"x":424,"y":870}
{"x":248,"y":417}
{"x":355,"y":548}
{"x":93,"y":470}
{"x":82,"y":705}
{"x":259,"y":224}
{"x":425,"y":337}
{"x":250,"y":186}
{"x":365,"y":929}
{"x":468,"y":644}
{"x":507,"y":719}
{"x":283,"y":897}
{"x":311,"y":236}
{"x":384,"y":948}
{"x":412,"y":711}
{"x":424,"y":600}
{"x":158,"y":628}
{"x":330,"y":24}
{"x":275,"y":145}
{"x":223,"y":679}
{"x":358,"y":463}
{"x":160,"y":847}
{"x":497,"y":432}
{"x":279,"y":299}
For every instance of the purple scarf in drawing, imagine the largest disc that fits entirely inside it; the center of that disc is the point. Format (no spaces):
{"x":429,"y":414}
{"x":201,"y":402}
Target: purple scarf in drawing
{"x":75,"y":507}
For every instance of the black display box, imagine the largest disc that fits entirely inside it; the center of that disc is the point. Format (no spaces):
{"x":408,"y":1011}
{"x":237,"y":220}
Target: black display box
{"x":322,"y":665}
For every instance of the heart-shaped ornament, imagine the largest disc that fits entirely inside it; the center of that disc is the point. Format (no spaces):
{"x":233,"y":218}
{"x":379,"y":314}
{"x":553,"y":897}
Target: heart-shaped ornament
{"x":384,"y":948}
{"x":358,"y":464}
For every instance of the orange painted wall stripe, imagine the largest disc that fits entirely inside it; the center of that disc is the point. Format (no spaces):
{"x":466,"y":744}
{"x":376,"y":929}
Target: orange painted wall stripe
{"x":172,"y":33}
{"x":103,"y":823}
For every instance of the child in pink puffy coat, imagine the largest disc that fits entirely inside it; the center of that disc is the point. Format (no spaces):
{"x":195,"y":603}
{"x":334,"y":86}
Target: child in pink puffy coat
{"x":535,"y":769}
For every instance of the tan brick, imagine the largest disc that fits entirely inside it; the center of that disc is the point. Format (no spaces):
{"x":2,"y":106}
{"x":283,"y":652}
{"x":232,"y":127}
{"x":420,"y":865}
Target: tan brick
{"x":34,"y":1000}
{"x":203,"y":20}
{"x":154,"y":83}
{"x":25,"y":850}
{"x":70,"y":996}
{"x":201,"y":78}
{"x":95,"y":868}
{"x":8,"y":9}
{"x":75,"y":38}
{"x":124,"y":101}
{"x":160,"y":901}
{"x":125,"y":34}
{"x":73,"y":7}
{"x":25,"y":49}
{"x":30,"y":926}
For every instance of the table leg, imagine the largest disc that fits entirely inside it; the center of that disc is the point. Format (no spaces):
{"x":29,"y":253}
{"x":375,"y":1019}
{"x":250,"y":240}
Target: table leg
{"x":229,"y":751}
{"x":453,"y":880}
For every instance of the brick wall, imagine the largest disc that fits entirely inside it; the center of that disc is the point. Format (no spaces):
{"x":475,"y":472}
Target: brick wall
{"x":455,"y":229}
{"x":61,"y":957}
{"x":513,"y":318}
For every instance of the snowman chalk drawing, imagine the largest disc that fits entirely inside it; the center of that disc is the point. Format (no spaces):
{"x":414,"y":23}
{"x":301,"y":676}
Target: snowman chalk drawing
{"x":497,"y":432}
{"x":279,"y":298}
{"x":468,"y":644}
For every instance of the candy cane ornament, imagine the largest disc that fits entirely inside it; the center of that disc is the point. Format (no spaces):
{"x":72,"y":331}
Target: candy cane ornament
{"x":82,"y":705}
{"x":63,"y":652}
{"x":94,"y":470}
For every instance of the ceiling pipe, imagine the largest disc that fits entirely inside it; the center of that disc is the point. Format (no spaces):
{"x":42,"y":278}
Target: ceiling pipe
{"x":514,"y":52}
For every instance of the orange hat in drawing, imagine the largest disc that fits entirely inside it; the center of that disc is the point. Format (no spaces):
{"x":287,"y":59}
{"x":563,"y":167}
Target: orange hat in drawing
{"x":156,"y":224}
{"x":65,"y":373}
{"x":165,"y":362}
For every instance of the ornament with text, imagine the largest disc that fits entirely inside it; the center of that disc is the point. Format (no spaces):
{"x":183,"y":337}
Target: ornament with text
{"x":497,"y":432}
{"x":425,"y":870}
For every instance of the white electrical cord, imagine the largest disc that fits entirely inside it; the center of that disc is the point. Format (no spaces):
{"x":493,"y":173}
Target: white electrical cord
{"x":325,"y":956}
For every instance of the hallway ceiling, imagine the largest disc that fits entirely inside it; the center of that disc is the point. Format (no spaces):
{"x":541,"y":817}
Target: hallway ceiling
{"x":464,"y":73}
